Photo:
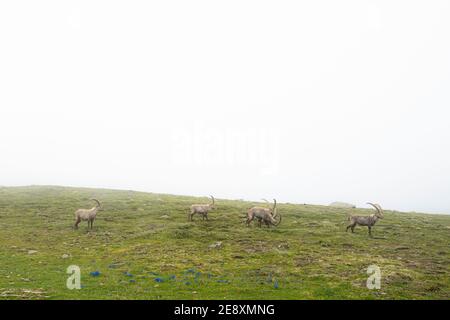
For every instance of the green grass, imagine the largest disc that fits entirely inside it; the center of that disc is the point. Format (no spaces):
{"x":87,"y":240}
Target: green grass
{"x":309,"y":256}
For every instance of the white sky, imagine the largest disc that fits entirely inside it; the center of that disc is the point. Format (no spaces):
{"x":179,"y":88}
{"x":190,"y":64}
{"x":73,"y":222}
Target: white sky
{"x":313,"y":102}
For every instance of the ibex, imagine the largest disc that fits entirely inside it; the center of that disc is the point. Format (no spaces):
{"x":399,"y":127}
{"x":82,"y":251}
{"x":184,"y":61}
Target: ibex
{"x":264,"y":214}
{"x":202,"y":209}
{"x":368,"y":221}
{"x":87,"y":215}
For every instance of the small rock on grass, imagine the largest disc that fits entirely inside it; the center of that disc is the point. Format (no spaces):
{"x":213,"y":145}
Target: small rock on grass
{"x":216,"y":245}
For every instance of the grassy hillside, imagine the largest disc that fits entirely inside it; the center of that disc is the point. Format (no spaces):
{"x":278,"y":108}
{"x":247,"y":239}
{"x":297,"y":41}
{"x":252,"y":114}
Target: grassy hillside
{"x":144,"y":248}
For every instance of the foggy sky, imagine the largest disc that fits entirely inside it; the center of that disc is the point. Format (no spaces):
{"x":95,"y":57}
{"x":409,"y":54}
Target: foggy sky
{"x":309,"y":102}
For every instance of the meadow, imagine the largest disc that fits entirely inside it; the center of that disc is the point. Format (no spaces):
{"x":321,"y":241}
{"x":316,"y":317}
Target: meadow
{"x":143,"y":247}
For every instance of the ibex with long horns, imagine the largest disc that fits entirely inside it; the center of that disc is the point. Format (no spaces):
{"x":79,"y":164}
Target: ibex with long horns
{"x":368,"y":221}
{"x":264,"y":214}
{"x":202,"y":209}
{"x":87,"y":215}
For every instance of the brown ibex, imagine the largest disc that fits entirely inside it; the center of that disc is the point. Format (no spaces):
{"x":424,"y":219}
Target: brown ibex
{"x":264,"y":214}
{"x":87,"y":214}
{"x":368,"y":221}
{"x":202,"y":209}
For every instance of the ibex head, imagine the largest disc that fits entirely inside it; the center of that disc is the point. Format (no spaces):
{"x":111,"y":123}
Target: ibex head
{"x":98,"y":205}
{"x":377,"y":207}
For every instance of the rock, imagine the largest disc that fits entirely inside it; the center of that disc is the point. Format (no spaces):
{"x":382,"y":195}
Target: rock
{"x":32,"y":251}
{"x":65,"y":256}
{"x":165,"y":216}
{"x":342,"y":205}
{"x":216,"y":245}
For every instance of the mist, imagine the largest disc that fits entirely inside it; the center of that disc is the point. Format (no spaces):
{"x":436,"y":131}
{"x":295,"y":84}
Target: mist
{"x":310,"y":102}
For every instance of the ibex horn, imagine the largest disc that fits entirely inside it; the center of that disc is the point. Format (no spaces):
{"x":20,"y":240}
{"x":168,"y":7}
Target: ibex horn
{"x":279,"y":221}
{"x":274,"y":210}
{"x":98,"y":202}
{"x":377,"y":207}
